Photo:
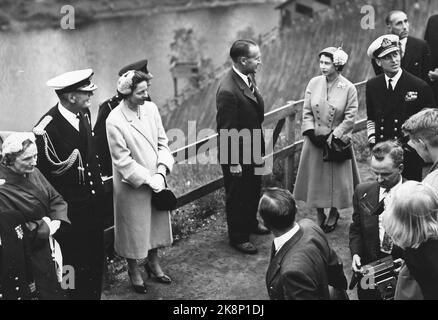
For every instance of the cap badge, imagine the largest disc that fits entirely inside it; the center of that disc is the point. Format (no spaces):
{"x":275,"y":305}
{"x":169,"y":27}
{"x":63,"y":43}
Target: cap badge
{"x":386,"y":43}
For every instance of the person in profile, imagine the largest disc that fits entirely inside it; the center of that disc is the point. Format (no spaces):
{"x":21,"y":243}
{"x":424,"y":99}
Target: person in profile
{"x":303,"y":265}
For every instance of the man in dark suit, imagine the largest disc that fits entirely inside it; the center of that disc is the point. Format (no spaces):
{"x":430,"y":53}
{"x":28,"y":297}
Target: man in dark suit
{"x":240,"y":113}
{"x":431,"y":37}
{"x":391,"y":98}
{"x":415,"y":53}
{"x":104,"y":110}
{"x":368,"y":240}
{"x":67,"y":157}
{"x":303,"y":264}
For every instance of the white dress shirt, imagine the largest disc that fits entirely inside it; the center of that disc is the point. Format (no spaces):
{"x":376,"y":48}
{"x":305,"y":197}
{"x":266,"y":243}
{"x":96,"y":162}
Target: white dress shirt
{"x":394,"y":79}
{"x":281,"y":240}
{"x":386,"y":197}
{"x":69,"y":116}
{"x":244,"y":78}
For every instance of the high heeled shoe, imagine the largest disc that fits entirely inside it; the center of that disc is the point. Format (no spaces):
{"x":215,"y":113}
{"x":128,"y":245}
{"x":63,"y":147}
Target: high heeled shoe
{"x":331,"y":227}
{"x":163,"y":279}
{"x":320,"y":213}
{"x":138,"y":288}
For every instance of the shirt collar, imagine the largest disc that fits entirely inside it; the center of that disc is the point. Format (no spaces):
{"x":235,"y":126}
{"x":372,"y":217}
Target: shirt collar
{"x":244,"y":78}
{"x":382,"y":190}
{"x":281,"y":240}
{"x":69,"y":116}
{"x":394,"y":79}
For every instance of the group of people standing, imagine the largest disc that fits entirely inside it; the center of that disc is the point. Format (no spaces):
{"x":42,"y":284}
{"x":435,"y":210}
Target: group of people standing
{"x":52,"y":195}
{"x":302,"y":263}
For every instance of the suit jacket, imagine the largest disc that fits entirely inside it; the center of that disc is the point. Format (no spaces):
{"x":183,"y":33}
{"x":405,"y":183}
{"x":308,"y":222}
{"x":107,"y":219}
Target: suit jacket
{"x":364,"y":230}
{"x":238,"y":108}
{"x":304,"y":267}
{"x":388,"y":112}
{"x":416,"y":60}
{"x":65,"y":138}
{"x":431,"y":37}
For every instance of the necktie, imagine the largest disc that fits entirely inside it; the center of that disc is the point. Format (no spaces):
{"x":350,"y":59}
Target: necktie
{"x":273,"y":251}
{"x":251,"y":86}
{"x":84,"y":130}
{"x":387,"y":242}
{"x":390,"y":88}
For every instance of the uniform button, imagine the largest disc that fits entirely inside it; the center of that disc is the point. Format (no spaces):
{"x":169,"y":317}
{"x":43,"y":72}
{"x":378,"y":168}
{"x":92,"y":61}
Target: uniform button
{"x":19,"y":298}
{"x":93,"y":192}
{"x":17,"y":288}
{"x":16,"y":278}
{"x":97,"y":156}
{"x":381,"y":128}
{"x":89,"y":174}
{"x":383,"y":120}
{"x":395,"y":129}
{"x":396,"y":121}
{"x":381,"y":136}
{"x":1,"y":296}
{"x":91,"y":183}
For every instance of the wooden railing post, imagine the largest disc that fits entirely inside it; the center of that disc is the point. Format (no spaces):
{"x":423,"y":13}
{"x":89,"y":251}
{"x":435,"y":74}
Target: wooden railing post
{"x":289,"y":162}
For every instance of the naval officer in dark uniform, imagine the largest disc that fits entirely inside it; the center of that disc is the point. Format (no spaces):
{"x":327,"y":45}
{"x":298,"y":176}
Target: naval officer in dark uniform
{"x":105,"y":109}
{"x":391,"y":98}
{"x":67,"y":157}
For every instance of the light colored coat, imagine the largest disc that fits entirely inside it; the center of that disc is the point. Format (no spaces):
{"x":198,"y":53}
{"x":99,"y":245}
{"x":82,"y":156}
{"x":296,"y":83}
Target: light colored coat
{"x":327,"y":184}
{"x":137,"y":147}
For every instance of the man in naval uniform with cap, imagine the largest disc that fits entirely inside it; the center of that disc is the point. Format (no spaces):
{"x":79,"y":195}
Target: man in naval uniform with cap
{"x":67,"y":157}
{"x":391,"y":98}
{"x":104,"y":110}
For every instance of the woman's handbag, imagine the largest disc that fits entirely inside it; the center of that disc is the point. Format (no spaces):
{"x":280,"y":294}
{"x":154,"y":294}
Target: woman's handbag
{"x":337,"y":150}
{"x":164,"y":200}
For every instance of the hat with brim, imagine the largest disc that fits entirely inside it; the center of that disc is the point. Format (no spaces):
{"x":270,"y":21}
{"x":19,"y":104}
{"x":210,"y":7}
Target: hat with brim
{"x":141,"y":65}
{"x":383,"y":46}
{"x":78,"y":80}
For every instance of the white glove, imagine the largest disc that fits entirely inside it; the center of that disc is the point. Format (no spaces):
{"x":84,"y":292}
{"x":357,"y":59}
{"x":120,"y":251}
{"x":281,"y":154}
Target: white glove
{"x":53,"y":225}
{"x":157,"y":182}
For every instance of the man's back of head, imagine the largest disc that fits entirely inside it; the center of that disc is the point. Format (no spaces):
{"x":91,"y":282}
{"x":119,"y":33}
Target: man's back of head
{"x":277,"y":208}
{"x":422,"y":129}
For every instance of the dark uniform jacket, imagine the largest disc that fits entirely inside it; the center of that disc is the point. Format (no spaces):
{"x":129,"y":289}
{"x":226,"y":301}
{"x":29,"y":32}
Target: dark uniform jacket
{"x":238,"y":108}
{"x":431,"y":37}
{"x":416,"y":60}
{"x":65,"y":138}
{"x":304,"y":267}
{"x":389,"y":110}
{"x":14,"y":279}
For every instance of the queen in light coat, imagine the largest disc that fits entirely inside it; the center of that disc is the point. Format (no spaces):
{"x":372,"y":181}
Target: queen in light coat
{"x":330,"y":108}
{"x":141,"y":159}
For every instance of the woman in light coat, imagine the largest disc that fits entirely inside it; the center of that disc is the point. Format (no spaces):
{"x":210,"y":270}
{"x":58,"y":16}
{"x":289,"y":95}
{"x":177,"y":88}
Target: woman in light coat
{"x":141,"y":159}
{"x":330,"y":107}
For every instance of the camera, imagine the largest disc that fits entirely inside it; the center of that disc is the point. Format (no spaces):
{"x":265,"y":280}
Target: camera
{"x":380,"y":275}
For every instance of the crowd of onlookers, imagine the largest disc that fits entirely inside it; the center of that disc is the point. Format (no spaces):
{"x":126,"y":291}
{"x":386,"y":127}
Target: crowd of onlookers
{"x":52,"y":196}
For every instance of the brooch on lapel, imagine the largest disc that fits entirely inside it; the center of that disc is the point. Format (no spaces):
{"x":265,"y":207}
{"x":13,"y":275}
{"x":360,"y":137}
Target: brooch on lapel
{"x":411,"y":96}
{"x":341,"y":85}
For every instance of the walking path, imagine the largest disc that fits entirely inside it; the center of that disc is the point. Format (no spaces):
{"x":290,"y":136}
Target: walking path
{"x":205,"y":267}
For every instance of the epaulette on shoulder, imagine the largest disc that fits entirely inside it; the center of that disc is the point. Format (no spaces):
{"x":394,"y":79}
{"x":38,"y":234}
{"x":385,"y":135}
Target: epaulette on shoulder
{"x":39,"y":129}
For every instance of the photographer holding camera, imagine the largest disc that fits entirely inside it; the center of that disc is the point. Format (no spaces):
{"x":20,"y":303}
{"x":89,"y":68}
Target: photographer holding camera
{"x":368,"y":239}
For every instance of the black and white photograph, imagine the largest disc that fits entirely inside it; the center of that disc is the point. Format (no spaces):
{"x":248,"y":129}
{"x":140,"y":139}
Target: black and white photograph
{"x":218,"y":154}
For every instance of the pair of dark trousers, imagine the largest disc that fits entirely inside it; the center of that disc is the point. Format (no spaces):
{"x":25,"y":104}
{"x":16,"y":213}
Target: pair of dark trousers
{"x":242,"y":199}
{"x":82,"y":247}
